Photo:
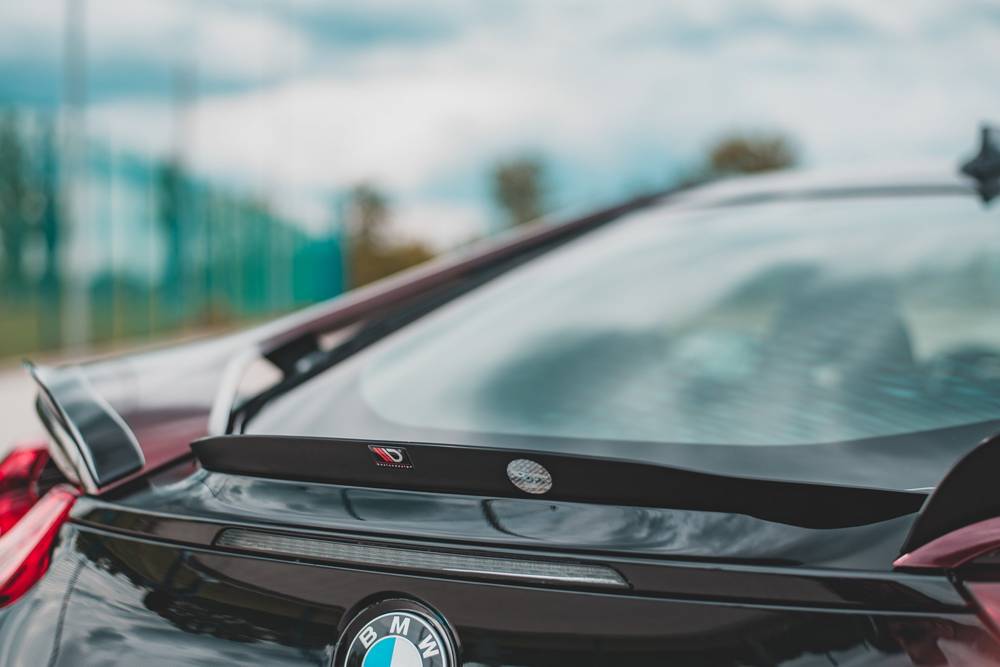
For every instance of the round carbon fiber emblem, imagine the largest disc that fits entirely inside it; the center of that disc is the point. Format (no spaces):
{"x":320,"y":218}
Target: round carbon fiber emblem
{"x":529,"y":476}
{"x":396,"y":633}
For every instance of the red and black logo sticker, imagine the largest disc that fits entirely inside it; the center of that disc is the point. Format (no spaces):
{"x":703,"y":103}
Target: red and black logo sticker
{"x":390,"y":457}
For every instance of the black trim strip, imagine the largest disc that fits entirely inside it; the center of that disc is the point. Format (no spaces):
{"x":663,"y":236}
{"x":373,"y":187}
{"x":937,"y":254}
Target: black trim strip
{"x":482,"y":471}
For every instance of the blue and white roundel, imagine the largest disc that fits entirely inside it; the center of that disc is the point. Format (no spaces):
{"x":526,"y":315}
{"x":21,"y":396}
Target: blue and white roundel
{"x":393,"y":652}
{"x":397,"y":639}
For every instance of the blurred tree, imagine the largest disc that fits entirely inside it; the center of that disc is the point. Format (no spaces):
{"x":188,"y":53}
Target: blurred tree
{"x":373,"y":255}
{"x":13,"y":202}
{"x":748,"y":153}
{"x":49,"y":225}
{"x":170,"y":192}
{"x":519,"y":189}
{"x":369,"y":211}
{"x":49,"y":219}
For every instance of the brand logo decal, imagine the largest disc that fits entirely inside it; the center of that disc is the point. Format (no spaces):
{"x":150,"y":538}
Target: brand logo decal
{"x":390,"y":457}
{"x":401,"y":634}
{"x":529,"y":476}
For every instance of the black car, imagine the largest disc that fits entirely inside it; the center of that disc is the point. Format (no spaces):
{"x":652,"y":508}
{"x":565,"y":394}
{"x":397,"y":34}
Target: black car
{"x":744,"y":424}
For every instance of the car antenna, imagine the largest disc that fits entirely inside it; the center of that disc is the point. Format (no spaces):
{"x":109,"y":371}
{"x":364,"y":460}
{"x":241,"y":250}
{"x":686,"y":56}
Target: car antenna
{"x":985,"y":167}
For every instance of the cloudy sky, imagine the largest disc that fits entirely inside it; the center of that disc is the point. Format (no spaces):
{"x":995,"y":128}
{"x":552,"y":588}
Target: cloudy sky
{"x":301,"y":99}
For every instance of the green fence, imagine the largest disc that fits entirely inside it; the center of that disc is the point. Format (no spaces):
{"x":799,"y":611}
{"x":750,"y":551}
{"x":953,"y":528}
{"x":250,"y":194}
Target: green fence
{"x":101,"y":246}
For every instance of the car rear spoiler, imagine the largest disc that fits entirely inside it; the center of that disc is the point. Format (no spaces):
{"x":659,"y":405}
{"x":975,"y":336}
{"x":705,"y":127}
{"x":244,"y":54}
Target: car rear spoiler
{"x":969,"y":493}
{"x":482,"y":471}
{"x":92,"y":444}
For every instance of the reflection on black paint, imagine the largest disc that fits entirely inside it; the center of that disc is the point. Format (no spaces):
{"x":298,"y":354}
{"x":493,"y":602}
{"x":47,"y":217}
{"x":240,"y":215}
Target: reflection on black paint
{"x":936,"y":642}
{"x":264,"y":604}
{"x":176,"y":586}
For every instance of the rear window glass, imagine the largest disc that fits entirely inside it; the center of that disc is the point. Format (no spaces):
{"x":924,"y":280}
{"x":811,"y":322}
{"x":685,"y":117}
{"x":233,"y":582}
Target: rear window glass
{"x":783,"y":323}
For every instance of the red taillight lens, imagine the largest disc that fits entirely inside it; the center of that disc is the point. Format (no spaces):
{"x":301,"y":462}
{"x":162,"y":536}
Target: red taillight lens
{"x":28,"y":525}
{"x":954,"y":549}
{"x":970,"y":553}
{"x":986,"y":595}
{"x":26,"y":548}
{"x":19,"y":474}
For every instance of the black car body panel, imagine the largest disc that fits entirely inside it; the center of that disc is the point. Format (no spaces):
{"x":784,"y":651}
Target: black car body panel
{"x":130,"y":599}
{"x":141,"y":575}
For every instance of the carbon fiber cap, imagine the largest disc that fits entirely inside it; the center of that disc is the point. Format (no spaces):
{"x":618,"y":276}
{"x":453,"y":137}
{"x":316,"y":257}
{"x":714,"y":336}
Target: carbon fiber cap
{"x":529,"y":476}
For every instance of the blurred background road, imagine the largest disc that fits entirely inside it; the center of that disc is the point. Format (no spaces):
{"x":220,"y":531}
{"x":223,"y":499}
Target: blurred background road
{"x":19,"y":421}
{"x":173,"y":166}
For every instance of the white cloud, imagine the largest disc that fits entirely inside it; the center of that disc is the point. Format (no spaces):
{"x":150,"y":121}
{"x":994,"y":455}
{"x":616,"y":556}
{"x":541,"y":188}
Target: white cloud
{"x":610,"y":90}
{"x":216,"y":39}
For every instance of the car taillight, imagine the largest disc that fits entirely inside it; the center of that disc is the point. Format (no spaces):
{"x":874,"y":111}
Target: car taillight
{"x":954,"y":549}
{"x":19,"y":474}
{"x":28,"y":523}
{"x":986,"y":595}
{"x":972,"y":553}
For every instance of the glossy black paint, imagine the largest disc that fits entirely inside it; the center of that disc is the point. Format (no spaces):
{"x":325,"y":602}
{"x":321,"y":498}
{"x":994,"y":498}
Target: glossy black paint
{"x":660,"y":551}
{"x":208,"y":497}
{"x":648,"y":578}
{"x":707,"y":588}
{"x":121,"y":600}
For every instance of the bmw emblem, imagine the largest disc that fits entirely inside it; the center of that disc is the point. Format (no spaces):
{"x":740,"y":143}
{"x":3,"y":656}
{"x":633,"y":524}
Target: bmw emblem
{"x":396,"y":633}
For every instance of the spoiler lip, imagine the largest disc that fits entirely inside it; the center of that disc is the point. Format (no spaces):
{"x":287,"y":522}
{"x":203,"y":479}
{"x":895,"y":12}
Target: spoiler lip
{"x":482,"y":471}
{"x":92,"y":439}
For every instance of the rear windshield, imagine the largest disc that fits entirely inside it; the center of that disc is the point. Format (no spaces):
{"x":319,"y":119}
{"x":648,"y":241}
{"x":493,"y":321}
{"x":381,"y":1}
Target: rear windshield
{"x":786,"y":323}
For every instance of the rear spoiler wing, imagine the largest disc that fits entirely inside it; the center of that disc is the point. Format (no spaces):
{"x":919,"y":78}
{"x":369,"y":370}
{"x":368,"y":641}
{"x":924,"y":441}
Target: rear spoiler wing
{"x":92,"y":443}
{"x":494,"y":472}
